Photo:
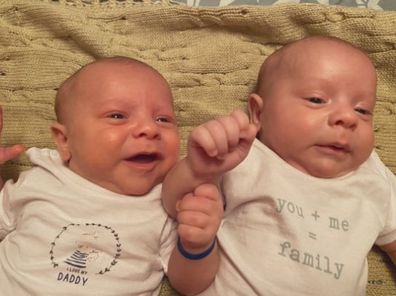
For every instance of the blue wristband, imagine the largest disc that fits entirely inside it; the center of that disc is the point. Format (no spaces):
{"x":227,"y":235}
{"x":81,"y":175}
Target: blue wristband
{"x":191,"y":256}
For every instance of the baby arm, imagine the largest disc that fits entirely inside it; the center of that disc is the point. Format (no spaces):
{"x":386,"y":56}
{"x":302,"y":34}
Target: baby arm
{"x":194,"y":262}
{"x":191,"y":195}
{"x":390,"y":249}
{"x":213,"y":148}
{"x":7,"y":153}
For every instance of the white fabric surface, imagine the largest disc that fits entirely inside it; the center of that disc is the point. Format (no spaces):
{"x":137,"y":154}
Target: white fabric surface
{"x":68,"y":235}
{"x":288,"y":233}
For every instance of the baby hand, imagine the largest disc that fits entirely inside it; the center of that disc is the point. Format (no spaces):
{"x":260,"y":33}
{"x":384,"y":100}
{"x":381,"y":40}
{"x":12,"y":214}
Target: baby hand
{"x":219,"y":145}
{"x":7,"y":153}
{"x":199,"y":215}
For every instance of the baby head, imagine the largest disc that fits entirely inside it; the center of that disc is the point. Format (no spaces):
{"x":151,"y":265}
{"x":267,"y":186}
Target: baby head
{"x":116,"y":126}
{"x":314,"y":105}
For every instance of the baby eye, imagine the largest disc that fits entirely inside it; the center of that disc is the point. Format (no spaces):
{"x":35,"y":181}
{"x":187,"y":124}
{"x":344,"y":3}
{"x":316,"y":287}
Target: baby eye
{"x":163,"y":119}
{"x":117,"y":116}
{"x":363,"y":111}
{"x":316,"y":100}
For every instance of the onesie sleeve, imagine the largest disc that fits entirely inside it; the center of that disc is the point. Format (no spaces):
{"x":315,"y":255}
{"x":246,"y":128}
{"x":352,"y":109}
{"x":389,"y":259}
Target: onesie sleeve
{"x":168,"y":242}
{"x":7,"y":215}
{"x":388,"y":234}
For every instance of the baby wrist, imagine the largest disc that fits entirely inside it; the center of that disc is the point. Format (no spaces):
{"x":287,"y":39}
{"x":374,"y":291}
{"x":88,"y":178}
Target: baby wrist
{"x":195,"y":256}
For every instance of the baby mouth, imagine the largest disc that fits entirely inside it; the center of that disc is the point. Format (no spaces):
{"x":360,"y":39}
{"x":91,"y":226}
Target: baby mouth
{"x":144,"y":158}
{"x":338,"y":148}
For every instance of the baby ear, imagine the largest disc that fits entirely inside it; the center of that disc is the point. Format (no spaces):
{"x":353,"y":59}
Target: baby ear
{"x":59,"y":135}
{"x":255,"y":106}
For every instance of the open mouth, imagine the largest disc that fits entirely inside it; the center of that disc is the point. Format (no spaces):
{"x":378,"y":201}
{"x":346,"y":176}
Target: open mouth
{"x":144,"y":158}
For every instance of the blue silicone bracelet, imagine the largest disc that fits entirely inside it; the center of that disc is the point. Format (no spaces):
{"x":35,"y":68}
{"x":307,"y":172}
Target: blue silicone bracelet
{"x":191,"y":256}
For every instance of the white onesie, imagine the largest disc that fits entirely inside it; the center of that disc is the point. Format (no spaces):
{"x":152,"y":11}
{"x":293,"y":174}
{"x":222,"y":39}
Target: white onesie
{"x":64,"y":235}
{"x":288,"y":233}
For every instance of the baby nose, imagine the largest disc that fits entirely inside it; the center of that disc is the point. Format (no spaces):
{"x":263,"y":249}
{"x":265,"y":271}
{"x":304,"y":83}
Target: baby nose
{"x":346,"y":118}
{"x":146,"y":128}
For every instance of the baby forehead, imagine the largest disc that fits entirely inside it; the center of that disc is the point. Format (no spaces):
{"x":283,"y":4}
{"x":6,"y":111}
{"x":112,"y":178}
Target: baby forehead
{"x":316,"y":57}
{"x":305,"y":55}
{"x":103,"y":67}
{"x":110,"y":75}
{"x":326,"y":47}
{"x":107,"y":76}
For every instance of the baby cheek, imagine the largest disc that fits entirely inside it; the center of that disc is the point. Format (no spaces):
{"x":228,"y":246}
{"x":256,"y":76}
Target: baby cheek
{"x":367,"y":138}
{"x":363,"y":146}
{"x":366,"y":148}
{"x":172,"y":141}
{"x":113,"y":136}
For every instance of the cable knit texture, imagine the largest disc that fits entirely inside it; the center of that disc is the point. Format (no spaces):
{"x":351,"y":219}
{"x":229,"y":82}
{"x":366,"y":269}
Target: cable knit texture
{"x":210,"y":56}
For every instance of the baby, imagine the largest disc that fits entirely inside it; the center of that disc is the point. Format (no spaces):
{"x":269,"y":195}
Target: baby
{"x":87,"y":219}
{"x":312,"y":197}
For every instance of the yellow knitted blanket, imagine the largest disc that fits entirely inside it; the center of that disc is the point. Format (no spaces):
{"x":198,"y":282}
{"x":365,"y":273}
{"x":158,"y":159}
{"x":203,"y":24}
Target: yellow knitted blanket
{"x":209,"y":56}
